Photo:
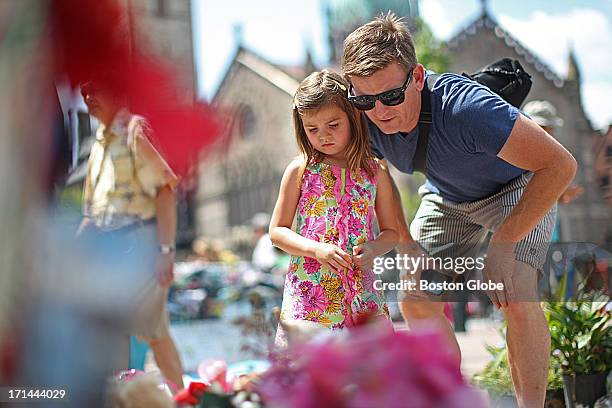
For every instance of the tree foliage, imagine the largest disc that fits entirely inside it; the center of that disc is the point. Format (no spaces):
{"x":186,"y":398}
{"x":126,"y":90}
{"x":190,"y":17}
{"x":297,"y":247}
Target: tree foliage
{"x":431,"y":52}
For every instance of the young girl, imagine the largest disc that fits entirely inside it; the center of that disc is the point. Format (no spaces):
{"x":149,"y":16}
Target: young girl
{"x":337,"y":188}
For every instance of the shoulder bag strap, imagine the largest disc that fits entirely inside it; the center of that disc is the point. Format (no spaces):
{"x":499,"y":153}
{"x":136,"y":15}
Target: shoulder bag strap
{"x":420,"y":156}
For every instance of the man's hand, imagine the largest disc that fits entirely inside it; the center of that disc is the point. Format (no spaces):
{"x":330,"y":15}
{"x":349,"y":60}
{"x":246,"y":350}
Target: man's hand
{"x":332,"y":257}
{"x":363,"y":256}
{"x":164,"y":268}
{"x":410,"y":273}
{"x":498,"y":268}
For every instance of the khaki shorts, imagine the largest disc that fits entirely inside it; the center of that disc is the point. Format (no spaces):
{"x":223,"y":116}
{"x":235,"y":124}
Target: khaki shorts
{"x":151,"y":316}
{"x":127,"y":257}
{"x":447,"y":229}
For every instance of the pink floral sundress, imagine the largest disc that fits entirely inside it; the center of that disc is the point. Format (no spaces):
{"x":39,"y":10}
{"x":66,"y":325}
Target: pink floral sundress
{"x":335,"y":207}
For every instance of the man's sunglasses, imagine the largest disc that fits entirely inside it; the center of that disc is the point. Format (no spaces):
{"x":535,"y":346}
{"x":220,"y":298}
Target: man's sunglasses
{"x":391,"y":97}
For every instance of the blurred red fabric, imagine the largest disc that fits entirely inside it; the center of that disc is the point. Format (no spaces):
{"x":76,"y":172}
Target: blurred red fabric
{"x":91,"y":41}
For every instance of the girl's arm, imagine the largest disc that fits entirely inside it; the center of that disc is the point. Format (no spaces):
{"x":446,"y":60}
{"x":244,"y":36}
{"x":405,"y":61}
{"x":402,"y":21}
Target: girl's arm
{"x":291,"y":242}
{"x":387,"y":238}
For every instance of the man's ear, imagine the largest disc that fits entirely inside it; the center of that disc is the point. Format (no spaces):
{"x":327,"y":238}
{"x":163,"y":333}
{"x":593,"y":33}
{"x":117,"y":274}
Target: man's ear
{"x":419,"y":77}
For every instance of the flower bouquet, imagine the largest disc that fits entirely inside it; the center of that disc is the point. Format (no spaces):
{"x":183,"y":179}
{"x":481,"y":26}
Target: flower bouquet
{"x":218,"y":389}
{"x":368,"y":366}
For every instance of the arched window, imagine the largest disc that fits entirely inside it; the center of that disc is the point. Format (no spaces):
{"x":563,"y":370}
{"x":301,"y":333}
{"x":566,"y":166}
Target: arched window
{"x":246,"y":121}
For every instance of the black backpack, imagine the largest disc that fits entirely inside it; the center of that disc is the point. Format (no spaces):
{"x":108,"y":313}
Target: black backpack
{"x":506,"y":77}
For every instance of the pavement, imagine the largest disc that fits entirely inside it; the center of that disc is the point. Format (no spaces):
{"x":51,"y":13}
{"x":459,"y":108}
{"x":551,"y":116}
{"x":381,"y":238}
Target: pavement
{"x":220,"y":339}
{"x":479,"y":333}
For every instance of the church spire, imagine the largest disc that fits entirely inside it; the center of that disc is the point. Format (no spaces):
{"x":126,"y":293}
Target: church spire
{"x":238,"y":32}
{"x":484,"y":7}
{"x":309,"y":65}
{"x":414,"y":9}
{"x":573,"y":72}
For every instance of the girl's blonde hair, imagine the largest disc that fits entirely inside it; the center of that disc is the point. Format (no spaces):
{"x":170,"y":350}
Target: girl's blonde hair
{"x":318,"y":90}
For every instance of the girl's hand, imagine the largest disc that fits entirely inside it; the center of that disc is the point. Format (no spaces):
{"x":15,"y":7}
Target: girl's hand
{"x":332,"y":257}
{"x":363,"y":256}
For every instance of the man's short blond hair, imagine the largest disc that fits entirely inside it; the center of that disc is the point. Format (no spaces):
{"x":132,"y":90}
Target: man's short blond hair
{"x":375,"y":45}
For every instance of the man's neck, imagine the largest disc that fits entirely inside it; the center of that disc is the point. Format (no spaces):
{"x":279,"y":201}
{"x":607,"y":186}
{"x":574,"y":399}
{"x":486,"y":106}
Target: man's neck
{"x":107,"y":119}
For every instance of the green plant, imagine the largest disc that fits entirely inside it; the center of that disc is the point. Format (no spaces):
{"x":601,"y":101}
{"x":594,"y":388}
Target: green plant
{"x":580,"y":330}
{"x":581,"y":333}
{"x":410,"y":201}
{"x":495,"y":377}
{"x":430,"y":52}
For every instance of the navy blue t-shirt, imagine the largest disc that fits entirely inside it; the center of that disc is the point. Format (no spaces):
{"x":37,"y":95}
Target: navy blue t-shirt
{"x":470,"y":125}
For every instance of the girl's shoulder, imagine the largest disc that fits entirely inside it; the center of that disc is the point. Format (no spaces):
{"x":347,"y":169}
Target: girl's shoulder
{"x":375,"y":166}
{"x":299,"y":166}
{"x":294,"y":168}
{"x":296,"y":163}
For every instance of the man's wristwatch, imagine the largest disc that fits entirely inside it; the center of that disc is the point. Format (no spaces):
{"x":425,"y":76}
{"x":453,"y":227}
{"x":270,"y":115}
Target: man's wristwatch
{"x":166,"y":249}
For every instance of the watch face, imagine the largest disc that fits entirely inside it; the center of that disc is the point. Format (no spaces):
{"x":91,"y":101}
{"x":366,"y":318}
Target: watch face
{"x":166,"y":249}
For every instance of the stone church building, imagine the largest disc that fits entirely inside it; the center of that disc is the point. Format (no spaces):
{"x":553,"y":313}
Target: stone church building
{"x":241,"y":175}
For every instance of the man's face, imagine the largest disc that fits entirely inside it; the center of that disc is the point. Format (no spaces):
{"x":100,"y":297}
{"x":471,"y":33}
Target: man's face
{"x":392,"y":119}
{"x":97,"y":100}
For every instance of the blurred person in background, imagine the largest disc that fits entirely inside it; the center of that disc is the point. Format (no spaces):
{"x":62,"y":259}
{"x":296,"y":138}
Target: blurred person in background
{"x":129,"y":207}
{"x":65,"y":306}
{"x":544,"y":114}
{"x":204,"y":250}
{"x":264,"y":255}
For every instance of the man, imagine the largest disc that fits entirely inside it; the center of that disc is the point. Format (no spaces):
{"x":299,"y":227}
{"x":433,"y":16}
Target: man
{"x":493,"y":178}
{"x":129,"y":205}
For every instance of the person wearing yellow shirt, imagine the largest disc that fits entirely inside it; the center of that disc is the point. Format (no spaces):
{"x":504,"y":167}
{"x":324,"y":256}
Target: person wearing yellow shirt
{"x":130,"y":191}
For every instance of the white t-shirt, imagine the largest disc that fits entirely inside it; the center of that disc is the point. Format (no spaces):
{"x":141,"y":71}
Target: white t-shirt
{"x":264,"y":254}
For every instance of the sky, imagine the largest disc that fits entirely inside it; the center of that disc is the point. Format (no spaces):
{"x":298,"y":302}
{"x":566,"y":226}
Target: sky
{"x":282,"y":30}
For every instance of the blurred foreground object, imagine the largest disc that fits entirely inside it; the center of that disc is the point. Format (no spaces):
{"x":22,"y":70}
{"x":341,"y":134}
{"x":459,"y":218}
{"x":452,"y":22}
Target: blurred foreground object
{"x":57,"y":325}
{"x":97,"y":45}
{"x":368,"y":366}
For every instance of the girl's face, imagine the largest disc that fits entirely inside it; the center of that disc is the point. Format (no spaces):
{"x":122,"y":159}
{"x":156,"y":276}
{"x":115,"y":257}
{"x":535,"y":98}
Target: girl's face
{"x":328,"y":130}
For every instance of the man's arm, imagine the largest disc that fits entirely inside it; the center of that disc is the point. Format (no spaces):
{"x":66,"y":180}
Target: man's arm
{"x":528,"y":147}
{"x":165,"y":206}
{"x":531,"y":148}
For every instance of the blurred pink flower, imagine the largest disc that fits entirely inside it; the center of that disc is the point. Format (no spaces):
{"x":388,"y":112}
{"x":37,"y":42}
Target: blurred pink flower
{"x":214,"y":371}
{"x":369,"y":366}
